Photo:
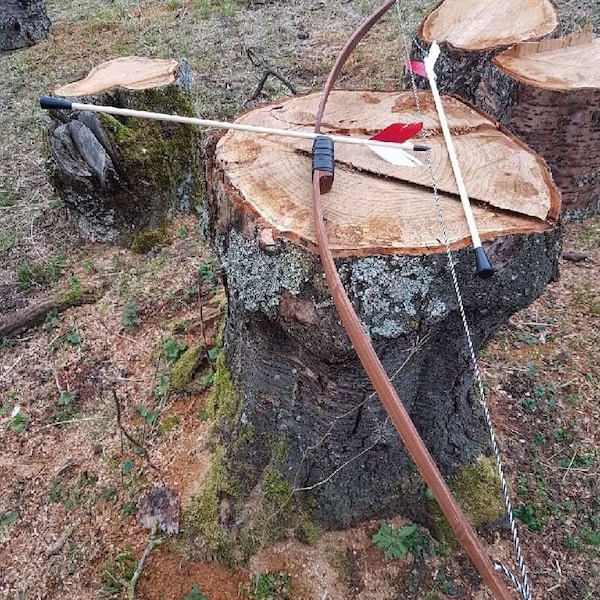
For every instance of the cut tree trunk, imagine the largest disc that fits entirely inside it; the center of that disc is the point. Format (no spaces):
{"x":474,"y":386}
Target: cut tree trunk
{"x":301,"y":438}
{"x":471,"y":32}
{"x":122,"y":179}
{"x":548,"y":93}
{"x":23,"y":23}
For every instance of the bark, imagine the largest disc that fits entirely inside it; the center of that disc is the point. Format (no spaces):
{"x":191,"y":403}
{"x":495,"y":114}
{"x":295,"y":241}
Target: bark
{"x":22,"y":23}
{"x":122,"y":179}
{"x":304,"y":420}
{"x":549,"y":95}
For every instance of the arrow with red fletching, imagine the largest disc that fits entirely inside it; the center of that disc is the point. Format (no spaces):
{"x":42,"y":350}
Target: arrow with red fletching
{"x":393,"y":140}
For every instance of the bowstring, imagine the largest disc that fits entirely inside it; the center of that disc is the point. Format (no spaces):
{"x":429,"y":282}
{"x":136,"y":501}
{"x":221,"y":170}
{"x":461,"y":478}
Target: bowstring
{"x":522,"y":582}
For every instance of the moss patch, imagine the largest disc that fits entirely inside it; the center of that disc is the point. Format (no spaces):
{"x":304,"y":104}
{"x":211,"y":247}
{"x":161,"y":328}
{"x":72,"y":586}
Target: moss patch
{"x":224,"y":402}
{"x":146,"y":239}
{"x":184,"y":368}
{"x":477,"y":489}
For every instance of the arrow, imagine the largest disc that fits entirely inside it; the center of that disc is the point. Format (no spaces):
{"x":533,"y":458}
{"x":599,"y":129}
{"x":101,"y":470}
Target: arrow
{"x":396,"y":150}
{"x":483,"y":266}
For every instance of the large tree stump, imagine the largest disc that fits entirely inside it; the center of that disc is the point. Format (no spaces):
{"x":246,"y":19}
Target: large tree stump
{"x":22,"y":23}
{"x":123,"y":178}
{"x":302,"y":440}
{"x":548,"y":93}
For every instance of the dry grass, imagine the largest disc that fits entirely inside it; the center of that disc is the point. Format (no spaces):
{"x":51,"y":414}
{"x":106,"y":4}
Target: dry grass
{"x":542,"y":370}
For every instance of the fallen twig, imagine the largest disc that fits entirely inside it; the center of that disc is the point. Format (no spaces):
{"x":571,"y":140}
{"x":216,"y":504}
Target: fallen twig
{"x":134,"y":441}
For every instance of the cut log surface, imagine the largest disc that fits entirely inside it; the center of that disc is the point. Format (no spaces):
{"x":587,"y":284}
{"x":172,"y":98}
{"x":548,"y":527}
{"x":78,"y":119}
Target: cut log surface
{"x":376,"y":207}
{"x":129,"y":72}
{"x":122,"y":179}
{"x":484,"y":24}
{"x":562,"y":64}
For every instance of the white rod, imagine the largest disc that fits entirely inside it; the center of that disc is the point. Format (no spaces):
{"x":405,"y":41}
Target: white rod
{"x":309,"y":135}
{"x":429,"y":63}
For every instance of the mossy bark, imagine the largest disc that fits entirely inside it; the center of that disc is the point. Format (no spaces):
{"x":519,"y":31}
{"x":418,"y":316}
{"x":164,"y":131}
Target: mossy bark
{"x":122,"y":179}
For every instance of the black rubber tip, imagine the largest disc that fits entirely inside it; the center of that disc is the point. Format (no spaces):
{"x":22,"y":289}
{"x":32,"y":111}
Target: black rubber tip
{"x":48,"y":103}
{"x":483,"y":265}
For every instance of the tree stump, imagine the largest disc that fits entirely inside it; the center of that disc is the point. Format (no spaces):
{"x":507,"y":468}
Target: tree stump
{"x":302,"y":442}
{"x":471,"y":32}
{"x":122,"y":178}
{"x":22,"y":23}
{"x":548,"y":94}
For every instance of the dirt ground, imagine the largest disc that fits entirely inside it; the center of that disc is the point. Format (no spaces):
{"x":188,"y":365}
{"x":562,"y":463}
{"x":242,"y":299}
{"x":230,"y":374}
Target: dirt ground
{"x":70,"y":481}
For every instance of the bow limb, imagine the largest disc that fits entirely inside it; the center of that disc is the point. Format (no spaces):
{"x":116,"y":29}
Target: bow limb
{"x":408,"y":433}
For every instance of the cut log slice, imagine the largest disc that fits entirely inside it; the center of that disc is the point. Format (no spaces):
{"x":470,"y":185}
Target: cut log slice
{"x":483,"y":24}
{"x":548,"y":94}
{"x":375,"y":207}
{"x":129,"y":72}
{"x":122,"y":179}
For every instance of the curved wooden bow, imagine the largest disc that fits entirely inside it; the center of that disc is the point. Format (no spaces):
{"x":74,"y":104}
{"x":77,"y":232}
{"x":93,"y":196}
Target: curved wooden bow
{"x":322,"y":181}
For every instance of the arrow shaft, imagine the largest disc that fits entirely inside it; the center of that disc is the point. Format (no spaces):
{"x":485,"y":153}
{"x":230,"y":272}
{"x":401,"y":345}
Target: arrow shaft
{"x":293,"y":133}
{"x":462,"y":190}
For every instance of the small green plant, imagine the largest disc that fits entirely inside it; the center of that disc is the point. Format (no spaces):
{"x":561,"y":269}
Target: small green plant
{"x":89,"y":267}
{"x":195,"y":594}
{"x":51,"y":322}
{"x":7,"y":518}
{"x":116,"y":575}
{"x":149,"y":415}
{"x":173,"y":349}
{"x":19,"y":421}
{"x":529,"y":404}
{"x":40,"y":273}
{"x":66,"y":398}
{"x":73,"y":337}
{"x":396,"y":543}
{"x":271,"y":586}
{"x":130,"y":317}
{"x":529,"y":515}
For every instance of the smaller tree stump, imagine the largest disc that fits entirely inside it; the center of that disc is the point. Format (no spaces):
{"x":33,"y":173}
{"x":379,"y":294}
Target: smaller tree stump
{"x":122,"y":178}
{"x":548,"y":94}
{"x":23,"y":23}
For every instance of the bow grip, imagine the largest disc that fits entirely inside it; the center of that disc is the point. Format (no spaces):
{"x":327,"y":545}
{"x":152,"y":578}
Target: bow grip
{"x":323,"y":161}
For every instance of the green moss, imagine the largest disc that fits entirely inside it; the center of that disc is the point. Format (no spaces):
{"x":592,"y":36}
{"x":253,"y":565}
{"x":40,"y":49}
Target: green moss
{"x":277,"y":491}
{"x":74,"y":294}
{"x":201,"y":518}
{"x":184,"y":368}
{"x":224,"y":400}
{"x":146,"y":239}
{"x":477,"y":489}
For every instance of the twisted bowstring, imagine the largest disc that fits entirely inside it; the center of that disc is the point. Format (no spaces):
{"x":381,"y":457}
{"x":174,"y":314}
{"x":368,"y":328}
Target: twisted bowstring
{"x":522,"y":583}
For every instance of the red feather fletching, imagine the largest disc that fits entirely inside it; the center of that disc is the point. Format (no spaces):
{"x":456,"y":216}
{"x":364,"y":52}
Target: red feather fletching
{"x":417,"y":67}
{"x":398,"y":132}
